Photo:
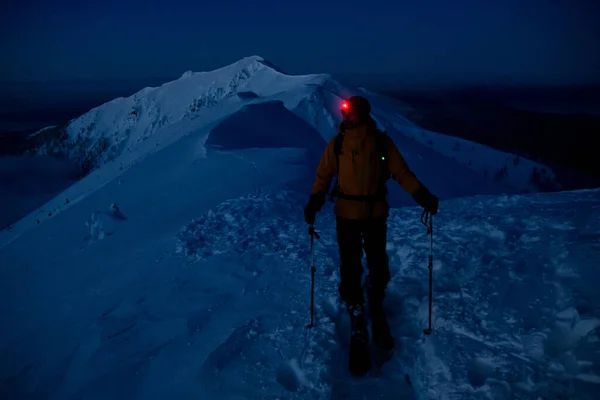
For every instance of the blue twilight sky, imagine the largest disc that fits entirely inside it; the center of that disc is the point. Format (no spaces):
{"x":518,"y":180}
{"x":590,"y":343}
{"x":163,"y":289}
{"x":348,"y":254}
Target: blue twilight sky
{"x":524,"y":41}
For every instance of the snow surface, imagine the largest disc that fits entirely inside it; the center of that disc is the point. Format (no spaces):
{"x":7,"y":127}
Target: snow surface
{"x":180,"y":270}
{"x":216,"y":307}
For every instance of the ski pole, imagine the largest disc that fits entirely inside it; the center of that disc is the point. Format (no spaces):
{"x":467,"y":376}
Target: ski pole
{"x":427,"y":220}
{"x":313,"y":234}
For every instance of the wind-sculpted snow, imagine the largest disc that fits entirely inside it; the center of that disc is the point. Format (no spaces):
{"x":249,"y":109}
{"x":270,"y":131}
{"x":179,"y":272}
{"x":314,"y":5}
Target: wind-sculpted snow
{"x":516,"y":310}
{"x":266,"y":223}
{"x":516,"y":315}
{"x":267,"y":230}
{"x":219,"y":309}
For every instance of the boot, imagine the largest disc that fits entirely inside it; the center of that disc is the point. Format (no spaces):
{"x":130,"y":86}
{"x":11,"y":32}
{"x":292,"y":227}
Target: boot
{"x":360,"y":362}
{"x":379,"y":324}
{"x":358,"y":323}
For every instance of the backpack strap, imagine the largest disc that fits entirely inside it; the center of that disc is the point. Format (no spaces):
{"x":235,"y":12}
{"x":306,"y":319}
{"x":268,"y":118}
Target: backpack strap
{"x":337,"y":150}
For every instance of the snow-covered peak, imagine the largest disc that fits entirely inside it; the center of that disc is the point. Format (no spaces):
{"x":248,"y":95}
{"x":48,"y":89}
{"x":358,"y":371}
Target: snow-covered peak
{"x":247,"y":64}
{"x":187,"y":74}
{"x":154,"y":117}
{"x":252,"y":63}
{"x":119,"y":126}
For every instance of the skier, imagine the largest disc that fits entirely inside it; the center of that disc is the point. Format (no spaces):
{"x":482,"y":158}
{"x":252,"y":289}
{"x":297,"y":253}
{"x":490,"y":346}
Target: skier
{"x":363,"y":158}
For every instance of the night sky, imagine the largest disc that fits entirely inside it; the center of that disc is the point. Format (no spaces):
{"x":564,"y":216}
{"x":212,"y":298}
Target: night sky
{"x":520,"y":41}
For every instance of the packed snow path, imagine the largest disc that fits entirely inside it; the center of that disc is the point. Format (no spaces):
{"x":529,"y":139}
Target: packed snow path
{"x":223,"y":315}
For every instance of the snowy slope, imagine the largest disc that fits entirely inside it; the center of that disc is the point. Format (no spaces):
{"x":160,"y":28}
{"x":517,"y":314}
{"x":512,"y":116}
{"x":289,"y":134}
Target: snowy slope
{"x":196,"y":296}
{"x":179,"y":269}
{"x":105,"y":132}
{"x":492,"y":164}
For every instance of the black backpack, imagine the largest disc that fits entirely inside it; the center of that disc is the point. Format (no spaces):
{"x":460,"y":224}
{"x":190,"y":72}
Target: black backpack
{"x":381,"y":152}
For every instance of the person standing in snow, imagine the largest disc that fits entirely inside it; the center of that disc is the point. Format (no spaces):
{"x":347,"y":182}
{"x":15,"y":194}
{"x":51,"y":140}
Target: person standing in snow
{"x":363,"y":158}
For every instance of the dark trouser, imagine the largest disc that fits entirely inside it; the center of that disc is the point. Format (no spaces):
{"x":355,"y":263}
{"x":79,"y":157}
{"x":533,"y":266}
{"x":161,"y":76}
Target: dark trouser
{"x":353,"y":236}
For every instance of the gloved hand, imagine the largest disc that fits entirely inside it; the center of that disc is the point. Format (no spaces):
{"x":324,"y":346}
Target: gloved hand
{"x":315,"y":203}
{"x":426,"y":200}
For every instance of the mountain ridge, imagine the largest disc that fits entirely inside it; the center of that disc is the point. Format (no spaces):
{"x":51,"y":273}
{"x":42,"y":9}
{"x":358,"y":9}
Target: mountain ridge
{"x":111,"y":138}
{"x":104,"y":132}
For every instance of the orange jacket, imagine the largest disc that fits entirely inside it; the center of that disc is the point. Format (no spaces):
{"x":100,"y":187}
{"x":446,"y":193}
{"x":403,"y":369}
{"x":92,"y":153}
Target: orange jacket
{"x":359,"y":172}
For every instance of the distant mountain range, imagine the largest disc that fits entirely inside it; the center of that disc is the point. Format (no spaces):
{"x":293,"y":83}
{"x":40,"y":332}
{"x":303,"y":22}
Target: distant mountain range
{"x":563,"y":140}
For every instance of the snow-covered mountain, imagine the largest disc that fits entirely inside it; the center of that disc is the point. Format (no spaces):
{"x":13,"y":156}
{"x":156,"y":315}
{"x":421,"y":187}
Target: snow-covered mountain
{"x":120,"y":126}
{"x":179,"y":266}
{"x":250,"y":104}
{"x":163,"y":114}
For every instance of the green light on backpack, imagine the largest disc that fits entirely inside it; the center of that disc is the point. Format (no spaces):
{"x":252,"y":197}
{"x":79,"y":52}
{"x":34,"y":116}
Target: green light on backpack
{"x":383,"y":158}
